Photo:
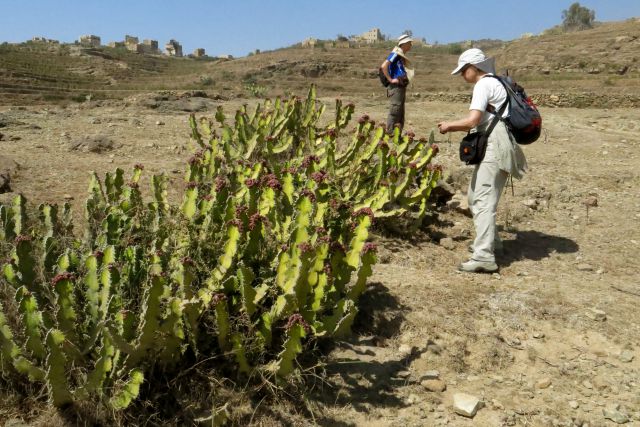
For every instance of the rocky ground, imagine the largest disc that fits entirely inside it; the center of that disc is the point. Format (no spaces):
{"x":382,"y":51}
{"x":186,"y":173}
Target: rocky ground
{"x":553,"y":339}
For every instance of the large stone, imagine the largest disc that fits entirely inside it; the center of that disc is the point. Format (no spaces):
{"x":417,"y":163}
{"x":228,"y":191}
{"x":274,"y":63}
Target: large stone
{"x":466,"y":404}
{"x":447,"y":243}
{"x":93,"y":144}
{"x":584,"y":267}
{"x":459,"y":202}
{"x":543,"y":383}
{"x":597,"y":315}
{"x":626,"y":356}
{"x":437,"y":386}
{"x":430,"y":375}
{"x":614,"y":414}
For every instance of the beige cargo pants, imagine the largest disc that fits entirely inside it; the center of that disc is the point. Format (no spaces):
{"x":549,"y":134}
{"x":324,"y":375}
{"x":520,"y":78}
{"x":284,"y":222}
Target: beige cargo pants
{"x":485,"y":189}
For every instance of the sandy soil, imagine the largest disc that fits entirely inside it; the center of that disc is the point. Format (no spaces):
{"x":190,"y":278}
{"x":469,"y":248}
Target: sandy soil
{"x":553,"y":339}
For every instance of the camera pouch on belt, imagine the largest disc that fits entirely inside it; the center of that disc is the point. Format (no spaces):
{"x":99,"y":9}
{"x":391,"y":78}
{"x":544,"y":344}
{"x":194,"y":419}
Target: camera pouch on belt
{"x":472,"y":147}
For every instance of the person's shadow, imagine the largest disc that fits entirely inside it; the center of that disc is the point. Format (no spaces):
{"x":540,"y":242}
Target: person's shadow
{"x":534,"y":245}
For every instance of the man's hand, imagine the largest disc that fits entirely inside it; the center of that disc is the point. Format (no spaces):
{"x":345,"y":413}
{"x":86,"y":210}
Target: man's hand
{"x":444,"y":127}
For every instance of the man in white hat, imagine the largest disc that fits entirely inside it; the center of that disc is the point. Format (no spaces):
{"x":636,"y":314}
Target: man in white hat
{"x":503,"y":156}
{"x":395,"y":70}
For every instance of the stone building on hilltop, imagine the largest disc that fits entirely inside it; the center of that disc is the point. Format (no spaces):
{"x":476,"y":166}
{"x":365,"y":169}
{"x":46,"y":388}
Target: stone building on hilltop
{"x":199,"y":53}
{"x":173,"y":48}
{"x":131,"y":43}
{"x":150,"y":46}
{"x":372,"y":36}
{"x":37,"y":39}
{"x":309,"y":42}
{"x":89,"y":40}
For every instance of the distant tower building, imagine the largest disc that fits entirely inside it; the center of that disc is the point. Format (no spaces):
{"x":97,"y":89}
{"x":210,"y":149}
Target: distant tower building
{"x":372,"y":36}
{"x":89,"y":40}
{"x":173,"y":48}
{"x":199,"y":53}
{"x":150,"y":46}
{"x":309,"y":42}
{"x":131,"y":43}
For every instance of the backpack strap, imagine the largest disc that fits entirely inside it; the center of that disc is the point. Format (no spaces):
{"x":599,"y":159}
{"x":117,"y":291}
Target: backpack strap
{"x":497,"y":117}
{"x":506,"y":88}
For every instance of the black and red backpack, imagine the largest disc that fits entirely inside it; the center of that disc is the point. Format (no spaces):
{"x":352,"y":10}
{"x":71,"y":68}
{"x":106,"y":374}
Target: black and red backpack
{"x":524,"y":120}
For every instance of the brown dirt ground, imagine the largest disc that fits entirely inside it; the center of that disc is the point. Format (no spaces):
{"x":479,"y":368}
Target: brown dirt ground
{"x":493,"y":336}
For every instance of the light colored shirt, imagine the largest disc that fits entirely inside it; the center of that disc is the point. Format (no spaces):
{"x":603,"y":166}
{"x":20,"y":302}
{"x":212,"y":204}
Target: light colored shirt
{"x":488,"y":91}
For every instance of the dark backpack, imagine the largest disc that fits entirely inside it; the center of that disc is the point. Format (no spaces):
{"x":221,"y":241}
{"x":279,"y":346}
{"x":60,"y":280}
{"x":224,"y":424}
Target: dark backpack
{"x":382,"y":77}
{"x":524,"y":120}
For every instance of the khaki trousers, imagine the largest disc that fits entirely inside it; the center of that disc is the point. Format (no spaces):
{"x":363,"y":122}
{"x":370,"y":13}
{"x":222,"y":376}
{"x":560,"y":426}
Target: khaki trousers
{"x":485,"y":189}
{"x":396,"y":95}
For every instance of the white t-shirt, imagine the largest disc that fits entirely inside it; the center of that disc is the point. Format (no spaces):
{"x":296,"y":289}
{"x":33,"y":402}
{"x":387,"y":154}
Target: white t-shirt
{"x":488,"y":91}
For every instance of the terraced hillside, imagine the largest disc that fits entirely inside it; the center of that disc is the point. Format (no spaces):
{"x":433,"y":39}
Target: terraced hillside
{"x":604,"y":61}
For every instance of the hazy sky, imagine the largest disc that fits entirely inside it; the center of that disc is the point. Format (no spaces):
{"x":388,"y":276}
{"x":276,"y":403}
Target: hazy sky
{"x":238,"y":27}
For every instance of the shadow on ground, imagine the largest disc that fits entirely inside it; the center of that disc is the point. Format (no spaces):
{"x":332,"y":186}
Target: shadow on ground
{"x":363,"y":371}
{"x":534,"y":245}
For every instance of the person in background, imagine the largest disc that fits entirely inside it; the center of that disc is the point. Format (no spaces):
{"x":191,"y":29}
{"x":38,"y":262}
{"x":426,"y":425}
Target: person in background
{"x":502,"y":157}
{"x":395,"y":69}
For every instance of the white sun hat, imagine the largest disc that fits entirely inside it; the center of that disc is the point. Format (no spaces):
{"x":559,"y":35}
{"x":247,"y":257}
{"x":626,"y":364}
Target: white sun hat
{"x":405,"y":38}
{"x":477,"y":58}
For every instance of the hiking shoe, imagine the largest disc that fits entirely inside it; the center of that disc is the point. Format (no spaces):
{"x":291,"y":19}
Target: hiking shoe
{"x":473,"y":266}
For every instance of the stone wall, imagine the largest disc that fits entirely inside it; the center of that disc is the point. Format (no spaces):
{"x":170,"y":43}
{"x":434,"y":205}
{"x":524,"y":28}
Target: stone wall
{"x":576,"y":100}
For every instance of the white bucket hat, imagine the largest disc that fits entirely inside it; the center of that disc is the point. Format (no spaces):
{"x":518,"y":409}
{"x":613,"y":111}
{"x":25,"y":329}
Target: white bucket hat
{"x":405,"y":38}
{"x":476,"y":58}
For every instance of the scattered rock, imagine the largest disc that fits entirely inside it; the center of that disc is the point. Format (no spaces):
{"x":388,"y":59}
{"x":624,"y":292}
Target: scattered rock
{"x":403,"y":374}
{"x":497,"y":405}
{"x":591,"y":201}
{"x":430,"y":375}
{"x":584,"y":267}
{"x":538,"y":335}
{"x":190,"y":105}
{"x":573,"y":404}
{"x":67,"y":197}
{"x":94,"y":121}
{"x":405,"y":349}
{"x":626,"y":356}
{"x":614,"y":414}
{"x":543,"y":383}
{"x":466,"y":404}
{"x":93,"y":144}
{"x":434,"y":348}
{"x":412,"y":399}
{"x":437,"y":386}
{"x":625,"y":39}
{"x":447,"y":243}
{"x":597,"y":315}
{"x":460,"y":203}
{"x":159,"y":123}
{"x":531,"y":203}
